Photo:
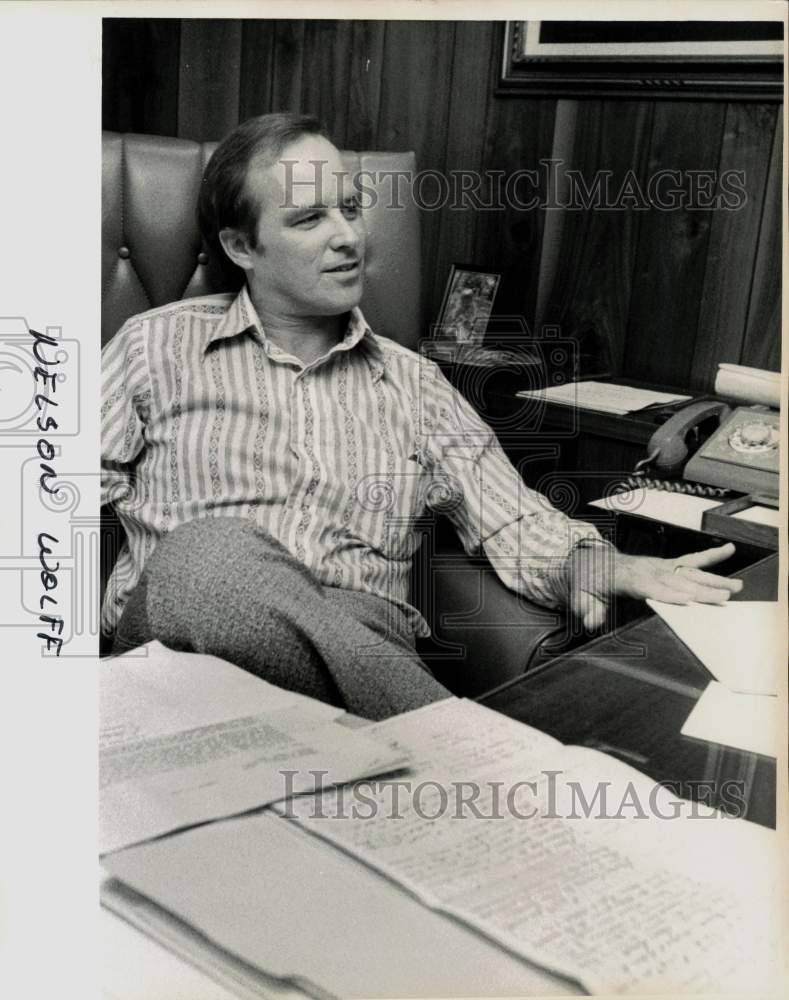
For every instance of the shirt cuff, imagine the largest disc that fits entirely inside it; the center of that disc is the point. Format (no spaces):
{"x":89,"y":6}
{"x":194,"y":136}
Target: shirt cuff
{"x":590,"y":541}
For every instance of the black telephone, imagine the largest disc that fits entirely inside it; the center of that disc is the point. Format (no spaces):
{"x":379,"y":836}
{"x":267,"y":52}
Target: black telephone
{"x":741,"y":453}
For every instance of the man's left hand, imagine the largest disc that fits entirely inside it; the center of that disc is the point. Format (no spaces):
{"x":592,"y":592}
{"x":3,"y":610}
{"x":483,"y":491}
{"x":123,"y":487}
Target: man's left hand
{"x":598,"y":573}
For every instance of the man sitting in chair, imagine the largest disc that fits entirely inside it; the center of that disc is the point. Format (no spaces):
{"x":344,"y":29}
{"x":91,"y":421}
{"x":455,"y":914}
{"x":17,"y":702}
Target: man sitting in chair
{"x":268,"y":453}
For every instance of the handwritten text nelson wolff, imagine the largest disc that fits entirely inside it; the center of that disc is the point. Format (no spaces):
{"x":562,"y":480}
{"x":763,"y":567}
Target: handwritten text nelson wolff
{"x":45,"y":386}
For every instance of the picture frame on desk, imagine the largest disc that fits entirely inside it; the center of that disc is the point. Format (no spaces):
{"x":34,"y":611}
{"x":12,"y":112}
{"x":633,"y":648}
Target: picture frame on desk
{"x":466,"y":308}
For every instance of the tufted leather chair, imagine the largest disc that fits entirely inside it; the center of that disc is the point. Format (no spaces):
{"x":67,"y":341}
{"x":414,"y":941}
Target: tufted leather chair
{"x":152,"y":253}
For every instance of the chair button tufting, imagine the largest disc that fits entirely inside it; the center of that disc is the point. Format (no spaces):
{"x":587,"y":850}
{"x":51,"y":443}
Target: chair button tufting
{"x":124,"y":252}
{"x":202,"y":258}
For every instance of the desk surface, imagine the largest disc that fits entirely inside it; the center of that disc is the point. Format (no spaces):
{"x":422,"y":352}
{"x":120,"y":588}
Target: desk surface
{"x":629,"y":693}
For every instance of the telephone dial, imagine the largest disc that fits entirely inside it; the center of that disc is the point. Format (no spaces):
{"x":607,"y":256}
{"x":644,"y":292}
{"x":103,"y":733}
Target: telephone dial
{"x":741,"y":455}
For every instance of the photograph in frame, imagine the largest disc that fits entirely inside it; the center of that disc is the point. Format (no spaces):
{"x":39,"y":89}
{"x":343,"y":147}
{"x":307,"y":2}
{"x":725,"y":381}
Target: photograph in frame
{"x":467,"y":306}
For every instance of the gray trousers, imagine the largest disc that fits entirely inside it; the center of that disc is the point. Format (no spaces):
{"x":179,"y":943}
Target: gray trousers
{"x":219,"y":585}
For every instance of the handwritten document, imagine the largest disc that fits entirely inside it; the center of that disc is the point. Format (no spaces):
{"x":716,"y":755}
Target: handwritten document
{"x":621,"y":898}
{"x":156,"y":776}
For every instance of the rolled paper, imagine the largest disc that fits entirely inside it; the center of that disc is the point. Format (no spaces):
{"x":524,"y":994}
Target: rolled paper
{"x":748,"y":385}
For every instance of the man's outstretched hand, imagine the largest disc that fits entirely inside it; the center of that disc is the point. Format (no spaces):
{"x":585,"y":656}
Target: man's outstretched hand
{"x":598,"y":573}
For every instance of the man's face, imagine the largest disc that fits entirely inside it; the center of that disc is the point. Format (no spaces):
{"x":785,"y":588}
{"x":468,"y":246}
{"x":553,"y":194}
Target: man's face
{"x":309,"y":259}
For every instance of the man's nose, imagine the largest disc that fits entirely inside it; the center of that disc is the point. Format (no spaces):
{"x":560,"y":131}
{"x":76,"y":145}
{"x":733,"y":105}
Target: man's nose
{"x":345,"y":234}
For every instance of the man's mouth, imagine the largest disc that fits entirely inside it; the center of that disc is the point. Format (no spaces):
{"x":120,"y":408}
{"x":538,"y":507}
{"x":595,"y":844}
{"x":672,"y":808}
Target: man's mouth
{"x":349,"y":266}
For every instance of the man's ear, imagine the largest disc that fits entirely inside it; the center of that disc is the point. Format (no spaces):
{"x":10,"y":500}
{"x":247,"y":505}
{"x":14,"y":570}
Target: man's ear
{"x":235,"y":243}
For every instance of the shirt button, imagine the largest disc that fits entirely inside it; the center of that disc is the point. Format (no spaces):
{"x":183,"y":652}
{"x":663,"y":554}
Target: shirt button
{"x":124,"y":253}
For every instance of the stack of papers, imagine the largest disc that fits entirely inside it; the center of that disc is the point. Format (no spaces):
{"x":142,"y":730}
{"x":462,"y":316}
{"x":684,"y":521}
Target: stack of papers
{"x":258,"y":897}
{"x":748,"y":385}
{"x":606,"y":397}
{"x":186,"y":739}
{"x":564,"y":860}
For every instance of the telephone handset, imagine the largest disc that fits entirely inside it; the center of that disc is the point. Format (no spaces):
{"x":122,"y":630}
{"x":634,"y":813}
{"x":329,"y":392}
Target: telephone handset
{"x":668,"y":447}
{"x":740,"y":455}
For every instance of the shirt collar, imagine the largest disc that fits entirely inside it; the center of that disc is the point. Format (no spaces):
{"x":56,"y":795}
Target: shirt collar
{"x":242,"y":316}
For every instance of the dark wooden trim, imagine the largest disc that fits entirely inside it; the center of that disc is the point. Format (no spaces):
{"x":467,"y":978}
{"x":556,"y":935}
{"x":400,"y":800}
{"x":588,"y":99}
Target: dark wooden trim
{"x":708,"y":78}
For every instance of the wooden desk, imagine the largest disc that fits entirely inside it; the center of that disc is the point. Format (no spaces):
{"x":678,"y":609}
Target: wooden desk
{"x":571,"y":454}
{"x":576,"y":454}
{"x":629,"y":693}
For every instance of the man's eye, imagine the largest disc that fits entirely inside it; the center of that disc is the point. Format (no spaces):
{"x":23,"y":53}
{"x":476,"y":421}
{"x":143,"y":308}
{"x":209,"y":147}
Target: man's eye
{"x":310,"y":219}
{"x":351,"y":209}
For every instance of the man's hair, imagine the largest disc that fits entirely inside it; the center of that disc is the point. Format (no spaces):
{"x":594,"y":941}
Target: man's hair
{"x":224,"y":199}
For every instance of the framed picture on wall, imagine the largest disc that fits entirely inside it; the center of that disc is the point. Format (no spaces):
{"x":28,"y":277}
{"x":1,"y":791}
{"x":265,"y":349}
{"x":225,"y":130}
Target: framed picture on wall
{"x":712,"y":59}
{"x":467,"y":305}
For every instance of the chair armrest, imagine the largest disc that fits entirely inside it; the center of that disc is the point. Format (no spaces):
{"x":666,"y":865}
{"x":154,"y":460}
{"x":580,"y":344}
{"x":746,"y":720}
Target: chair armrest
{"x":483,"y":633}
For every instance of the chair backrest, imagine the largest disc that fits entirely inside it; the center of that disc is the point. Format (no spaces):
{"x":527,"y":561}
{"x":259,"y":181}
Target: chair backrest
{"x":152,"y":252}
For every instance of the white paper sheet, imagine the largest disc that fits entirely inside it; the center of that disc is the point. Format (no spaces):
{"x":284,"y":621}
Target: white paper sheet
{"x":180,"y":745}
{"x":138,"y":966}
{"x":741,"y":643}
{"x":660,"y":505}
{"x":605,"y":397}
{"x":565,"y":891}
{"x":749,"y":722}
{"x":153,"y":690}
{"x":760,"y":515}
{"x":297,"y":908}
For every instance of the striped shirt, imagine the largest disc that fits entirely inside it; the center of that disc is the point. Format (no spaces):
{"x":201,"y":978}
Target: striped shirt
{"x":203,"y":416}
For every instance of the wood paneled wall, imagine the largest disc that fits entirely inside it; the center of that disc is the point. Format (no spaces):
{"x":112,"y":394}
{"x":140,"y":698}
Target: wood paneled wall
{"x":666,"y":294}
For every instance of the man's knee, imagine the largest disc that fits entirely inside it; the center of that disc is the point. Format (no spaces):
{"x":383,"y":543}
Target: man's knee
{"x":215,"y":561}
{"x":199,"y":546}
{"x":212,"y":548}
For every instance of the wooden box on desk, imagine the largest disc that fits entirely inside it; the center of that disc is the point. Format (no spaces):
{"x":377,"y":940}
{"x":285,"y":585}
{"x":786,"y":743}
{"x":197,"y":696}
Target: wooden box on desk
{"x":721,"y":521}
